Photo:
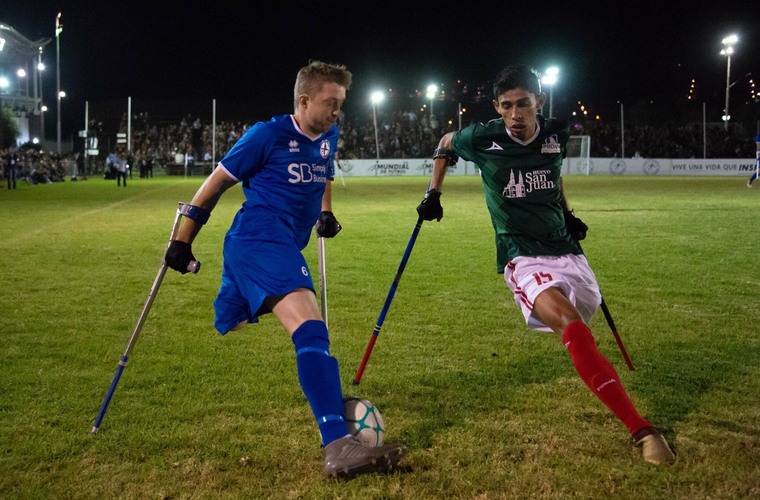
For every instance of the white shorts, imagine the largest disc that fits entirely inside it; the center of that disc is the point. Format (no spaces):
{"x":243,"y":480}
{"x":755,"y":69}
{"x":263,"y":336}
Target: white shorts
{"x":529,"y":276}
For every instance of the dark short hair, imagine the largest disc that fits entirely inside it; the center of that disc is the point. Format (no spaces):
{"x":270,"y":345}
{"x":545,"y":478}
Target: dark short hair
{"x":311,"y":77}
{"x":514,"y":76}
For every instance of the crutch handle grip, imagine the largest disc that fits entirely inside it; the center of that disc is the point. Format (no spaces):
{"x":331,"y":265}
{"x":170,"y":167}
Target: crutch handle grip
{"x":194,"y":266}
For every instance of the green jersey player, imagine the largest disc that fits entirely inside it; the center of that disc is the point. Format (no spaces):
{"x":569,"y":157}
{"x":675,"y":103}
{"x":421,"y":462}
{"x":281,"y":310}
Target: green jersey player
{"x":520,"y":158}
{"x":523,"y":195}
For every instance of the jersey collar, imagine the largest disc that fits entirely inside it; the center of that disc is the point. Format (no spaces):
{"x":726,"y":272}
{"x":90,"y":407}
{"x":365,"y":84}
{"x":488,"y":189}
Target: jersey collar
{"x":298,"y":129}
{"x":525,"y":143}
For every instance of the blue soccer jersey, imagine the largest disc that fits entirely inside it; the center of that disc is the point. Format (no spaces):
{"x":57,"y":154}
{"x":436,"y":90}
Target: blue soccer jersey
{"x":283,"y":173}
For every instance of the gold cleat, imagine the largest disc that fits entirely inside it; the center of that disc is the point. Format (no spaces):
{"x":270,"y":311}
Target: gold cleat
{"x":654,"y":448}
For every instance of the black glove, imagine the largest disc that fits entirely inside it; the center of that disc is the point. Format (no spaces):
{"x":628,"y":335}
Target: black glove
{"x":431,"y":208}
{"x":327,"y":225}
{"x":179,"y":255}
{"x":575,"y":226}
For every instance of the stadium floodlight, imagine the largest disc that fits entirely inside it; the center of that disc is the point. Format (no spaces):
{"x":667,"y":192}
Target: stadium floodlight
{"x":728,"y":49}
{"x":21,"y":74}
{"x":550,"y":78}
{"x":376,"y":98}
{"x":4,"y":82}
{"x":432,"y":90}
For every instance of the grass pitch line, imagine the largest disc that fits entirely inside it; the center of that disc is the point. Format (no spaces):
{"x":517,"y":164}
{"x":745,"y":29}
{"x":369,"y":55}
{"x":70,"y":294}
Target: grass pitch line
{"x":52,"y":223}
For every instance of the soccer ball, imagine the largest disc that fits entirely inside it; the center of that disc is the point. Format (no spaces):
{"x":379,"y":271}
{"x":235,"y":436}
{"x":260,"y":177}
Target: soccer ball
{"x":364,"y":421}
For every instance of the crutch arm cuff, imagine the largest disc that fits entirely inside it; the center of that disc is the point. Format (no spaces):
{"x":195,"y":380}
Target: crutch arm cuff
{"x":198,"y":214}
{"x":450,"y":157}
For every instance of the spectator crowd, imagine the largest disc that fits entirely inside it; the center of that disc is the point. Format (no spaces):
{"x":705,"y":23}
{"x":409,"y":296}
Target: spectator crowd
{"x":415,"y":134}
{"x":32,"y":166}
{"x":400,"y":134}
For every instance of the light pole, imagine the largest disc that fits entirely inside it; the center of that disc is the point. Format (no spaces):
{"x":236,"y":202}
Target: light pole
{"x":728,"y":49}
{"x":58,"y":29}
{"x":40,"y":69}
{"x":376,"y":98}
{"x":550,"y":78}
{"x":432,"y":90}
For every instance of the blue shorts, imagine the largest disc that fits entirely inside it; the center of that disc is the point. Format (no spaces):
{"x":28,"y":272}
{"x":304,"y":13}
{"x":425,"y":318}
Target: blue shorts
{"x":255,"y":269}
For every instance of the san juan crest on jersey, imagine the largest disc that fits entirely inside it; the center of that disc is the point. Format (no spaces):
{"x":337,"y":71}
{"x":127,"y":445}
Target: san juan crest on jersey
{"x":533,"y":180}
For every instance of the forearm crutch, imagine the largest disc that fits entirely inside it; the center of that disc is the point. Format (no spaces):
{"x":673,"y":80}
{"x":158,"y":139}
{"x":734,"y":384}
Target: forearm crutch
{"x":619,"y":341}
{"x":388,"y":300}
{"x":322,"y":277}
{"x":611,"y":324}
{"x":193,"y":267}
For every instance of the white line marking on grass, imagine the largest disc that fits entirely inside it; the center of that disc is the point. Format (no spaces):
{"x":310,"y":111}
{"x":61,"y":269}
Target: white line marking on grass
{"x":60,"y":221}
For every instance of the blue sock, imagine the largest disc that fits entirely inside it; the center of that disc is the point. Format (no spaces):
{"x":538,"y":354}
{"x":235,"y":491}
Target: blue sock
{"x":320,"y":379}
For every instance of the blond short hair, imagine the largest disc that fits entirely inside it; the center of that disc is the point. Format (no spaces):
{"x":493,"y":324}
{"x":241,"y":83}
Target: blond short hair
{"x":310,"y":78}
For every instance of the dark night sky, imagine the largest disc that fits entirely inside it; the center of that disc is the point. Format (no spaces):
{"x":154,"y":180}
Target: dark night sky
{"x":235,"y":51}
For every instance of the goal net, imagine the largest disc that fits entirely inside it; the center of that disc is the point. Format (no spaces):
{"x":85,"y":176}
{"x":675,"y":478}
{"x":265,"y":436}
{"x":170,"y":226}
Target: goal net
{"x":578,"y":159}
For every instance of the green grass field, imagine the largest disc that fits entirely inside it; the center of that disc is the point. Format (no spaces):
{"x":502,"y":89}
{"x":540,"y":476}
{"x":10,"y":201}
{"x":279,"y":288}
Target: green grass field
{"x":488,"y":408}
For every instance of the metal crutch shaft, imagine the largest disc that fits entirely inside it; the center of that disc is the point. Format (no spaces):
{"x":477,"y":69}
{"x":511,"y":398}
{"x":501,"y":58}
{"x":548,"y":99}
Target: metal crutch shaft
{"x":387,"y":305}
{"x":193,"y":267}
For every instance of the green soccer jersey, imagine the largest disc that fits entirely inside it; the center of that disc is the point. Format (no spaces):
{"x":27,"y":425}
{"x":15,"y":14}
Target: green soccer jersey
{"x":522,"y":186}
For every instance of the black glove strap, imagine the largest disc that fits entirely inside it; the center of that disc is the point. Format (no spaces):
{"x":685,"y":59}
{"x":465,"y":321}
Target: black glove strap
{"x":431,"y":193}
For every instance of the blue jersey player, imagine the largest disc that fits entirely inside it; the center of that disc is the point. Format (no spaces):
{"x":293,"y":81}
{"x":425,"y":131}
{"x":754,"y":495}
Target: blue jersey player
{"x":757,"y":159}
{"x":286,"y":168}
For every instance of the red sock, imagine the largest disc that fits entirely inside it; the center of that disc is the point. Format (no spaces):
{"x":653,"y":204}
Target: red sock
{"x":600,"y":376}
